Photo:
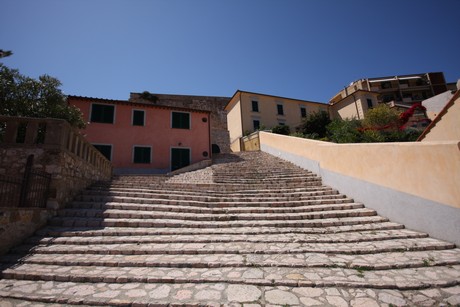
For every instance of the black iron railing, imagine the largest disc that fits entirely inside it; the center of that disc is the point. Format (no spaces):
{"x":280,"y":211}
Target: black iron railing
{"x":29,"y":191}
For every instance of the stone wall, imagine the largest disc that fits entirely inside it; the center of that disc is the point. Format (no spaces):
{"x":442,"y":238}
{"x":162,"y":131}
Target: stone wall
{"x":16,"y":224}
{"x":59,"y":150}
{"x":251,"y":142}
{"x":72,"y":162}
{"x":216,"y":105}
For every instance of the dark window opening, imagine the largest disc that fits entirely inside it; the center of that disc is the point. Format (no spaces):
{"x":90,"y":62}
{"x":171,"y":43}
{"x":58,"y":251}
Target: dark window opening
{"x":142,"y":154}
{"x":280,"y":109}
{"x":105,"y":150}
{"x":138,"y":118}
{"x":369,"y":104}
{"x":180,"y":120}
{"x":102,"y":113}
{"x":303,"y":112}
{"x":255,"y":106}
{"x":256,"y":124}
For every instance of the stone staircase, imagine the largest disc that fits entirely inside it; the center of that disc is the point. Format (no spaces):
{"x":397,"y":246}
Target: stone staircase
{"x":251,"y":230}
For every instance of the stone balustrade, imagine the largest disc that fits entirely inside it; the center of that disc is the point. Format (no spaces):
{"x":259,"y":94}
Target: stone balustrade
{"x":59,"y":150}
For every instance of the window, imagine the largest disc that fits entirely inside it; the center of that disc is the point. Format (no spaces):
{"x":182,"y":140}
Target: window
{"x":256,"y":124}
{"x":280,"y":110}
{"x":180,"y":120}
{"x":138,"y":118}
{"x":369,"y":103}
{"x":142,"y":154}
{"x":385,"y":84}
{"x":102,"y":113}
{"x":105,"y":150}
{"x":303,"y":112}
{"x":255,"y":106}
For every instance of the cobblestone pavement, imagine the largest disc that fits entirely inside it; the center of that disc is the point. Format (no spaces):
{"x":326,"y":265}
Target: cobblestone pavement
{"x":251,"y":230}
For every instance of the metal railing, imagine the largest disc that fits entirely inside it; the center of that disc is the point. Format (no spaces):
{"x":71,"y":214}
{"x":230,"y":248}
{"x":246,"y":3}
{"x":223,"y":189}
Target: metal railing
{"x":29,"y":191}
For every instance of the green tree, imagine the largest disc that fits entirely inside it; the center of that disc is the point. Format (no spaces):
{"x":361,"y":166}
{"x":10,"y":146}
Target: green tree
{"x":382,"y":117}
{"x":314,"y":126}
{"x":24,"y":96}
{"x":344,"y":131}
{"x":281,"y":129}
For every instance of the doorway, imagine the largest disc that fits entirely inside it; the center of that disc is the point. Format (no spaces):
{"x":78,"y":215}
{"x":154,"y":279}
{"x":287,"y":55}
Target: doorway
{"x":180,"y":157}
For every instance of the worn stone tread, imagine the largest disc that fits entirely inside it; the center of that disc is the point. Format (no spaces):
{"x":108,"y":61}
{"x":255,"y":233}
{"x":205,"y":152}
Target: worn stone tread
{"x":419,"y":244}
{"x":213,"y":294}
{"x":57,"y":231}
{"x":226,"y":238}
{"x":401,"y":279}
{"x":380,"y":261}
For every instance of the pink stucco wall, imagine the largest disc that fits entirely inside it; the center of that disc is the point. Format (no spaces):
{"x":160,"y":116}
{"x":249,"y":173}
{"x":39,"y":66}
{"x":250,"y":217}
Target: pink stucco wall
{"x":156,"y":133}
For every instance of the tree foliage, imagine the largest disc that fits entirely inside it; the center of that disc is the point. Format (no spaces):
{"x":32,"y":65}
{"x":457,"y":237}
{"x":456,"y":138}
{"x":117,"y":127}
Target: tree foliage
{"x":344,"y":131}
{"x":382,"y":117}
{"x":314,"y":126}
{"x":281,"y":129}
{"x":24,"y":96}
{"x":381,"y":124}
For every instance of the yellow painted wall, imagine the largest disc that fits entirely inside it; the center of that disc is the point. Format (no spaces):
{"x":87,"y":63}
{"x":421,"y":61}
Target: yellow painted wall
{"x":429,"y":170}
{"x":348,"y":108}
{"x":448,"y":128}
{"x":234,"y":121}
{"x":268,"y":114}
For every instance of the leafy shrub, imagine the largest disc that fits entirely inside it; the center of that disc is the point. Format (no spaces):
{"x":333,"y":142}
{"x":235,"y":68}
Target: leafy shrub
{"x":314,"y":125}
{"x":281,"y":129}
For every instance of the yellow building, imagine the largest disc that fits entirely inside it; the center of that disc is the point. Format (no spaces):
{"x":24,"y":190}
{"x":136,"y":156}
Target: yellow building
{"x":354,"y":105}
{"x":248,"y":112}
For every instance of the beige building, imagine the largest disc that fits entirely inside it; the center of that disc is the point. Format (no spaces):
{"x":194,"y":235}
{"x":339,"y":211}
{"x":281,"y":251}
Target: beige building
{"x":403,"y":89}
{"x":248,"y":112}
{"x":354,"y":105}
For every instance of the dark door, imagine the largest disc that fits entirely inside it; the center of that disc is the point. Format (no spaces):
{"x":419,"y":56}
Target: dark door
{"x":180,"y":157}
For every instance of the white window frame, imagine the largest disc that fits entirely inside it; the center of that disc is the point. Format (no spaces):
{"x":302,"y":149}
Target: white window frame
{"x":103,"y":104}
{"x":142,"y":146}
{"x":189,"y":120}
{"x":132,"y":118}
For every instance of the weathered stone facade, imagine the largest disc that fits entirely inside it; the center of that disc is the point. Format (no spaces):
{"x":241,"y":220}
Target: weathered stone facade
{"x":216,"y":105}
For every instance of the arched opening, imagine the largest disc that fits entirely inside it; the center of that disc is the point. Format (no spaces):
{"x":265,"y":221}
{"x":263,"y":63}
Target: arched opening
{"x":215,"y":149}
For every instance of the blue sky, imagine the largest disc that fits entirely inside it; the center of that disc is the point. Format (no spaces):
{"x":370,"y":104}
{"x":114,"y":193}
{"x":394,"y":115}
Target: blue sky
{"x":305,"y":49}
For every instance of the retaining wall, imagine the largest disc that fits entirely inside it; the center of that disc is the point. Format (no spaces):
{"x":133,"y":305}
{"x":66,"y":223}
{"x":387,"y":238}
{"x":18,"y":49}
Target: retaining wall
{"x":412,"y":183}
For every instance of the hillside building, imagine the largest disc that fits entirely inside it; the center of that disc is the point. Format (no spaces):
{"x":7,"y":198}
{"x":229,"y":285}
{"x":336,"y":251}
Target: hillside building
{"x":249,"y":111}
{"x":143,"y":137}
{"x":213,"y":104}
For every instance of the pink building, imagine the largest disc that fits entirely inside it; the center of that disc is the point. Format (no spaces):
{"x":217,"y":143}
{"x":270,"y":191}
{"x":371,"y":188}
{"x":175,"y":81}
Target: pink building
{"x":144,"y":138}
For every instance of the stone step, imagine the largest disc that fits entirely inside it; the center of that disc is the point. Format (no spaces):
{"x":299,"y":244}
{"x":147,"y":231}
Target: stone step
{"x":287,"y":231}
{"x":366,"y":236}
{"x":216,"y":190}
{"x":192,"y":209}
{"x":156,"y":223}
{"x":24,"y":292}
{"x":400,"y":279}
{"x":382,"y":261}
{"x":353,"y":248}
{"x":209,"y":197}
{"x":138,"y":214}
{"x":326,"y":199}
